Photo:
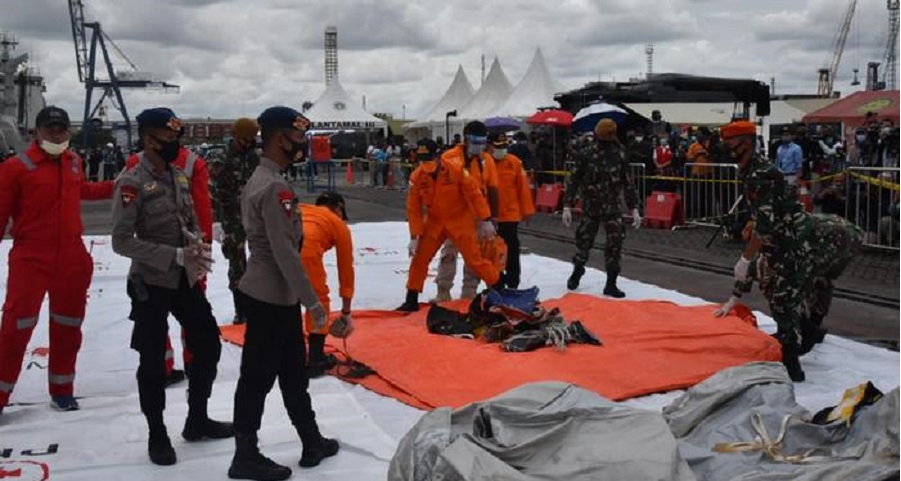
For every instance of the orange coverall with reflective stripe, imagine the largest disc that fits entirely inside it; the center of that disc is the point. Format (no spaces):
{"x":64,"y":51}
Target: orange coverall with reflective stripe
{"x":513,"y":189}
{"x":442,"y":203}
{"x":322,"y":230}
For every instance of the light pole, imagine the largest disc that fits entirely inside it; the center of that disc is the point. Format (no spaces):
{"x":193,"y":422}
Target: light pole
{"x":447,"y":116}
{"x":404,"y":112}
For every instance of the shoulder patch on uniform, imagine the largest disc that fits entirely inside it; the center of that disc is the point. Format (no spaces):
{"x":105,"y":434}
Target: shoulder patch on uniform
{"x":182,"y":179}
{"x":286,"y":198}
{"x":127,"y":194}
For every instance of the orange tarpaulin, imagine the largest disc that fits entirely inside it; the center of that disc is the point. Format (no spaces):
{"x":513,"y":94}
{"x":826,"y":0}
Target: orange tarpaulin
{"x":648,"y":347}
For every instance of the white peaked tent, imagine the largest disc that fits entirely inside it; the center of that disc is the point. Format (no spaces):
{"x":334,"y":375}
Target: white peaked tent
{"x":456,"y":96}
{"x":336,"y":110}
{"x":491,"y":95}
{"x":536,"y":89}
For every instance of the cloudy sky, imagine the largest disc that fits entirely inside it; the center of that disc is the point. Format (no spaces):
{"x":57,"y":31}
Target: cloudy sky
{"x":236,"y":57}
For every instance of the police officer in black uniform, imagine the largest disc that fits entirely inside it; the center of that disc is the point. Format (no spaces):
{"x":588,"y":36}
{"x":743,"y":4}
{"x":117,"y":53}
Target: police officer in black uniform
{"x":154,"y":225}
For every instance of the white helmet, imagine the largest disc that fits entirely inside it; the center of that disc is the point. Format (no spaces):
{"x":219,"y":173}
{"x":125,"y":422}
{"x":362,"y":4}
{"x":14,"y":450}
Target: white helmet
{"x":109,"y":145}
{"x":204,"y":146}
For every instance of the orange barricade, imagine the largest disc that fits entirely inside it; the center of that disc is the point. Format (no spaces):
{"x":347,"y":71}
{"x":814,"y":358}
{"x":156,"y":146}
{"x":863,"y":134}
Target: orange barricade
{"x":549,"y":197}
{"x":663,"y":210}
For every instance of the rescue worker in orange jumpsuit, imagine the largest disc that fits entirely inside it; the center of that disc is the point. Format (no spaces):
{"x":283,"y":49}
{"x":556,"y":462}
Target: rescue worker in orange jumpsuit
{"x":483,"y":170}
{"x":441,"y":204}
{"x":41,"y":189}
{"x":324,"y":227}
{"x":515,"y":203}
{"x":197,"y":171}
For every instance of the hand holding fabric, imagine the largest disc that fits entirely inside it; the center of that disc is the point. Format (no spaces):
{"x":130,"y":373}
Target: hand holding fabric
{"x":724,"y":310}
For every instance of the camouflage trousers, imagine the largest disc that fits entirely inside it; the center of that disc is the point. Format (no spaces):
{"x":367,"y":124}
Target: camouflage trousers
{"x":587,"y":231}
{"x":800,"y":289}
{"x":233,"y":248}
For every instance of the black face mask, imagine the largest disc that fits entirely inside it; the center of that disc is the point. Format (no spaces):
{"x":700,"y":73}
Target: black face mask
{"x":295,"y":148}
{"x":169,"y":150}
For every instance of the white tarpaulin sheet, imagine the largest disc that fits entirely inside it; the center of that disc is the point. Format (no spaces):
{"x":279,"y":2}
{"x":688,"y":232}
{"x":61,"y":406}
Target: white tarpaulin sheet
{"x":107,"y":438}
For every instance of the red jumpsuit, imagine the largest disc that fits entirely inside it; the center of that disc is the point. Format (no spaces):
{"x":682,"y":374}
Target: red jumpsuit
{"x":43,"y":196}
{"x":196,"y":169}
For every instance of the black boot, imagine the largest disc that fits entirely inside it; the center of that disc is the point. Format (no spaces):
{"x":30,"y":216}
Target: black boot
{"x":314,"y":453}
{"x":319,"y":363}
{"x":610,"y":289}
{"x":248,"y":463}
{"x":411,"y":304}
{"x":197,"y":428}
{"x":160,"y":448}
{"x":573,"y":282}
{"x":791,"y":362}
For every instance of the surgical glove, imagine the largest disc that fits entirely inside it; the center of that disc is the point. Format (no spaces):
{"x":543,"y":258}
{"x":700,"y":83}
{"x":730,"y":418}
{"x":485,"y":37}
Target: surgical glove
{"x":741,"y":269}
{"x":486,"y":230}
{"x":567,"y":216}
{"x":342,"y":327}
{"x":218,"y":233}
{"x":411,"y":247}
{"x":196,"y":259}
{"x":320,"y":317}
{"x":636,"y":218}
{"x":723,"y":310}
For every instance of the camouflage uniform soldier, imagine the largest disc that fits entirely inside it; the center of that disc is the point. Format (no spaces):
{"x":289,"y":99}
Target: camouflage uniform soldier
{"x":602,"y":182}
{"x":802,"y":247}
{"x":834,"y":242}
{"x":230,"y":171}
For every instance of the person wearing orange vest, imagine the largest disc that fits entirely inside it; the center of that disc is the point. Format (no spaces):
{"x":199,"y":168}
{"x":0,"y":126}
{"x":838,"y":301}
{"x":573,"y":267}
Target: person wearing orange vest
{"x":442,"y":201}
{"x":483,"y":170}
{"x":41,"y":190}
{"x":197,"y":171}
{"x":515,"y":203}
{"x":324,"y":227}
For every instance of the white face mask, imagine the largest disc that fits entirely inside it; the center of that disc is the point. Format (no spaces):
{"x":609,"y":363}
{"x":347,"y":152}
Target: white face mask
{"x":499,"y":153}
{"x":54,"y":149}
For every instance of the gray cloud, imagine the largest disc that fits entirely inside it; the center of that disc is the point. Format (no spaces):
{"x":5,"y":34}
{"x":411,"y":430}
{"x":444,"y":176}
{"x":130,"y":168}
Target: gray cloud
{"x":235,"y":57}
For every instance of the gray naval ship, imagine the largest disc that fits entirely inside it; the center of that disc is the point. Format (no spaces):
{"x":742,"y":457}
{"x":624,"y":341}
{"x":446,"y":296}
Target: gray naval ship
{"x":21,"y":96}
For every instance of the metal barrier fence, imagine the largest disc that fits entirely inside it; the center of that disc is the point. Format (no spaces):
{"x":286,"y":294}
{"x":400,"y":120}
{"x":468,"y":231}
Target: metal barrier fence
{"x":708,"y":192}
{"x":871,"y":203}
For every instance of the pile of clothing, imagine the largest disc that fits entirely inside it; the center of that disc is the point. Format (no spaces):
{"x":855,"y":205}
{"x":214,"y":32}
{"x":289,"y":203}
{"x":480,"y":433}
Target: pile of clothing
{"x":514,"y":318}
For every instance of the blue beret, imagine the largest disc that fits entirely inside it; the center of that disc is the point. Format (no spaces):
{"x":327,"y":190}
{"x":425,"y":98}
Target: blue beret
{"x":160,"y":118}
{"x":283,"y":118}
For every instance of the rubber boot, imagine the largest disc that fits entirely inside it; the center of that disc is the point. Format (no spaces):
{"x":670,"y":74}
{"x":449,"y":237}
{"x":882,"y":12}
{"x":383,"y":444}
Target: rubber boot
{"x":444,"y":295}
{"x":248,"y":463}
{"x":319,"y":363}
{"x":791,"y":362}
{"x":610,"y":289}
{"x":573,"y":282}
{"x":411,"y":304}
{"x":159,"y":447}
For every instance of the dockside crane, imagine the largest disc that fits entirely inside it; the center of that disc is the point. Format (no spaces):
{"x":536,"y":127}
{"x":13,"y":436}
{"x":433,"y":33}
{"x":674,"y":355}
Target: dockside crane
{"x":890,"y":53}
{"x":113,"y":83}
{"x":827,"y":73}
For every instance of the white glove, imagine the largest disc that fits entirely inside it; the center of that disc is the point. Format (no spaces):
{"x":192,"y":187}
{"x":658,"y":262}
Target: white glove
{"x":741,"y":269}
{"x":486,"y":230}
{"x":320,"y":317}
{"x":636,"y":218}
{"x":218,"y":233}
{"x":411,"y":247}
{"x":196,"y":259}
{"x":342,"y":327}
{"x":725,"y":308}
{"x":567,"y":216}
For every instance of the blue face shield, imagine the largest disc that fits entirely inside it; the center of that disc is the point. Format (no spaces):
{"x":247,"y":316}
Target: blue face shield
{"x":475,"y":144}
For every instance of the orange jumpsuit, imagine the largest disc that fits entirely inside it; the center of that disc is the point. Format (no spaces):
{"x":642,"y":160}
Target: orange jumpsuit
{"x":485,"y":173}
{"x":442,"y":203}
{"x":199,"y":175}
{"x":322,"y":230}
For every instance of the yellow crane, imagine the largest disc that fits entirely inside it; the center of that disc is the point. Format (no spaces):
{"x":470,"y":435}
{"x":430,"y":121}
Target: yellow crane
{"x":828,"y":72}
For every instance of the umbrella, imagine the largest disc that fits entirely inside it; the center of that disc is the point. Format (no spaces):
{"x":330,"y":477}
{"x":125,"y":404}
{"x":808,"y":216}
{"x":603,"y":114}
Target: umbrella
{"x":553,"y":117}
{"x":588,"y":117}
{"x":501,"y":124}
